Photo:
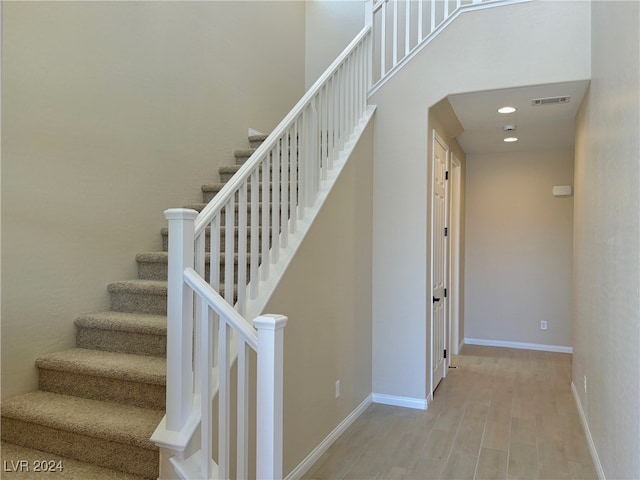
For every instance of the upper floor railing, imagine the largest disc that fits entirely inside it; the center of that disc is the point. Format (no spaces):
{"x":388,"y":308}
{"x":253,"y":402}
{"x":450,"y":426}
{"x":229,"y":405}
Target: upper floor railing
{"x":401,"y":28}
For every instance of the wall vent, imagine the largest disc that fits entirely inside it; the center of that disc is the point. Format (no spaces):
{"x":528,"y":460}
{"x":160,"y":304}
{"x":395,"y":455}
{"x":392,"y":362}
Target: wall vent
{"x":550,"y":100}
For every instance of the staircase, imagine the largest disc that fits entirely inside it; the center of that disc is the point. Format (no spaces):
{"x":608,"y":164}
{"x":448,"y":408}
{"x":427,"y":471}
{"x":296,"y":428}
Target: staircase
{"x":98,"y":404}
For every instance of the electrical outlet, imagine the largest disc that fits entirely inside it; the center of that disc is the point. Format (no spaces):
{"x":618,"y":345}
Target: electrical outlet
{"x":337,"y":388}
{"x":585,"y":384}
{"x":543,"y":325}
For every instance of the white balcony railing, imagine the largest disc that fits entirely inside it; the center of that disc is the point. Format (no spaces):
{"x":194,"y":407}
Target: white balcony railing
{"x":401,"y":28}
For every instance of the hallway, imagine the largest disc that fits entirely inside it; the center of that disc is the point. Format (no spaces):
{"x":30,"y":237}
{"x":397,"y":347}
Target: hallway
{"x":502,"y":414}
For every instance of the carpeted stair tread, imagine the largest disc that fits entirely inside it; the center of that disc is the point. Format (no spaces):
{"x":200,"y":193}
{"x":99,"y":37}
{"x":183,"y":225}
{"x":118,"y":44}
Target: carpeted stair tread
{"x":229,"y":169}
{"x":139,"y":368}
{"x":124,"y":332}
{"x":139,"y":296}
{"x":257,"y":139}
{"x":71,"y":469}
{"x":106,"y":420}
{"x":163,"y":257}
{"x":244,"y":152}
{"x":146,"y":287}
{"x":124,"y":322}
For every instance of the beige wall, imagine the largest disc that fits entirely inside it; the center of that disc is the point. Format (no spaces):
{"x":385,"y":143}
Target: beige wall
{"x":607,"y":241}
{"x":519,"y":245}
{"x":330,"y":27}
{"x":326,"y":293}
{"x":468,"y":56}
{"x":113,"y":112}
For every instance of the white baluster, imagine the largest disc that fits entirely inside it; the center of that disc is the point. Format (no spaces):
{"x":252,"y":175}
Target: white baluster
{"x":395,"y":33}
{"x":243,"y":411}
{"x":407,"y":27}
{"x":420,"y":20}
{"x":310,"y":159}
{"x":266,"y":254}
{"x":294,"y":178}
{"x":255,"y":234}
{"x":200,"y":269}
{"x":275,"y":204}
{"x":270,"y":394}
{"x":229,"y":250}
{"x":204,"y":377}
{"x":179,"y":318}
{"x":284,"y":189}
{"x":331,"y":101}
{"x":383,"y":40}
{"x":242,"y":249}
{"x":214,"y":253}
{"x":368,"y":13}
{"x":224,"y":429}
{"x":433,"y":16}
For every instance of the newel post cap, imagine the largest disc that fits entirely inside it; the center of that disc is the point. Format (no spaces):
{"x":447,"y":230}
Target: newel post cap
{"x":180,"y":214}
{"x":270,"y":322}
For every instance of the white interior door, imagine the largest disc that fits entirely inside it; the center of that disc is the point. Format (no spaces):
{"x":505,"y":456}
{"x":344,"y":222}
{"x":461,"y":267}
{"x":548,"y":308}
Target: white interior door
{"x":439,"y":260}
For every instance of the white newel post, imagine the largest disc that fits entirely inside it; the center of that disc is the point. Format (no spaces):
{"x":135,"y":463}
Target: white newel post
{"x":179,"y":318}
{"x":270,"y":393}
{"x":368,"y":13}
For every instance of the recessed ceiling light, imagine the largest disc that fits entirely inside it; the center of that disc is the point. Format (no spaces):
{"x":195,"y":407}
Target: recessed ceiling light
{"x":511,"y":139}
{"x":507,"y":110}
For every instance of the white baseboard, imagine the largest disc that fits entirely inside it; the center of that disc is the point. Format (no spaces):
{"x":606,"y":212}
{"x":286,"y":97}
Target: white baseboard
{"x":587,"y":432}
{"x":317,"y":452}
{"x":519,"y":345}
{"x":408,"y":402}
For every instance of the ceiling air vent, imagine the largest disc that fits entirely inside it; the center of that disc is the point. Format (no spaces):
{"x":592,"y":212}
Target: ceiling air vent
{"x":550,"y":100}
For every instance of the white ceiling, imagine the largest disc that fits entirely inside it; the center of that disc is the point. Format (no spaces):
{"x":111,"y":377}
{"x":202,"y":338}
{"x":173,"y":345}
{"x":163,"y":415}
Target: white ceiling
{"x":539,"y":127}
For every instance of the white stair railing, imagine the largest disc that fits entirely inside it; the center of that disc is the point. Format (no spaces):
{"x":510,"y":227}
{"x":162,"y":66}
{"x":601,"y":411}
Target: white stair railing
{"x":250,"y":224}
{"x":401,"y":28}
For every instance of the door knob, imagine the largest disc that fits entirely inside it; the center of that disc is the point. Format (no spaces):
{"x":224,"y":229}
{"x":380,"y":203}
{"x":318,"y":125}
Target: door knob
{"x":435,"y":299}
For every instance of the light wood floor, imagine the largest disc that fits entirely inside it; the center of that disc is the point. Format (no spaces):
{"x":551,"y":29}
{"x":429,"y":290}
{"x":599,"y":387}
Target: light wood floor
{"x":502,"y":414}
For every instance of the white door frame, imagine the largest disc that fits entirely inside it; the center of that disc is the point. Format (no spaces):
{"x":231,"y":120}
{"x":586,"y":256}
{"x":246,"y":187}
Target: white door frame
{"x":455,"y":186}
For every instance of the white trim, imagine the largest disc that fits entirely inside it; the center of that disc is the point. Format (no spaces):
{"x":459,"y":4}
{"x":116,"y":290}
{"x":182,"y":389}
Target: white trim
{"x":587,"y":433}
{"x":408,"y":402}
{"x":519,"y":345}
{"x":317,"y":452}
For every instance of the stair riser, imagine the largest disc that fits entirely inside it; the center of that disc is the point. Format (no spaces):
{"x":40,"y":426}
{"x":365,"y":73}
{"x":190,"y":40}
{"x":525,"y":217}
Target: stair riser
{"x":122,"y":341}
{"x":139,"y":303}
{"x":159,"y":271}
{"x":100,"y":388}
{"x":255,"y":143}
{"x":105,"y":453}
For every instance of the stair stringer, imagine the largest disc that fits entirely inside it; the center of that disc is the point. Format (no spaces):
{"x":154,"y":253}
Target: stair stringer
{"x":179,"y":450}
{"x":256,"y":306}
